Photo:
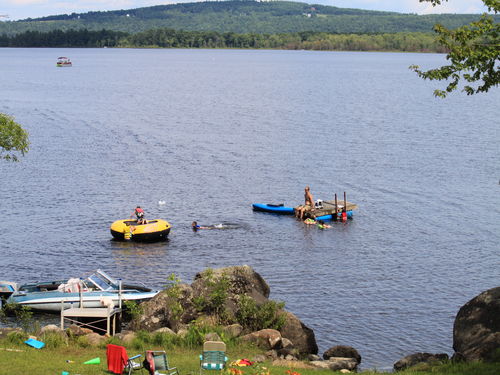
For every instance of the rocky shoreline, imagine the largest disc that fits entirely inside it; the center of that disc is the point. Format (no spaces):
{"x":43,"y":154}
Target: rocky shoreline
{"x":236,"y":300}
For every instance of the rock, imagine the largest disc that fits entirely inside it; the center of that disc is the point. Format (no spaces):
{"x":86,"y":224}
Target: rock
{"x":259,"y":358}
{"x":342,"y":351}
{"x":265,"y":338}
{"x":291,"y":364}
{"x":165,"y":330}
{"x":476,"y":331}
{"x":320,"y":364}
{"x":313,"y":357}
{"x":286,"y":344}
{"x":413,"y":359}
{"x":284,"y":352}
{"x":297,"y":332}
{"x":271,"y":354}
{"x":212,"y":336}
{"x":126,"y":336}
{"x":166,"y":311}
{"x":339,"y":363}
{"x":242,"y":280}
{"x":51,"y":328}
{"x":233,"y":330}
{"x":290,"y":357}
{"x":345,"y":371}
{"x":95,"y":339}
{"x":74,"y":330}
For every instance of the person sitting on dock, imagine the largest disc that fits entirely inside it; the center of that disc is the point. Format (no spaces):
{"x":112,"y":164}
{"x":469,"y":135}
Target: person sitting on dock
{"x":139,"y":213}
{"x":308,"y":204}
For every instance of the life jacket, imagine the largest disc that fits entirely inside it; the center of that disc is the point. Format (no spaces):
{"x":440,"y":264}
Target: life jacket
{"x":139,"y":212}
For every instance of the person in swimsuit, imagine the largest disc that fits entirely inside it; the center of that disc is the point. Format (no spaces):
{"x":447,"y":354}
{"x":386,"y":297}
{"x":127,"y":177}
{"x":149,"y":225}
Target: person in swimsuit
{"x":308,"y":204}
{"x":195,"y":226}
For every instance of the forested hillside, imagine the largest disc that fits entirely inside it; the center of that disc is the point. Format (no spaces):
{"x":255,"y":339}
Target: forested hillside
{"x":241,"y":17}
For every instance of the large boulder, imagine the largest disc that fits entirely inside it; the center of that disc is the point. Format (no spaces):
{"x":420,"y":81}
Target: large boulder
{"x":342,"y":351}
{"x":476,"y":332}
{"x":297,"y":332}
{"x":211,"y":285}
{"x":170,"y":310}
{"x":265,"y":338}
{"x":414,"y":359}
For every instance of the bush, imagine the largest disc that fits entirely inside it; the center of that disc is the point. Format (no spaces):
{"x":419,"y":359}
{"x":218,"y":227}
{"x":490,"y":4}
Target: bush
{"x":17,"y":337}
{"x":54,"y":339}
{"x":254,"y":318}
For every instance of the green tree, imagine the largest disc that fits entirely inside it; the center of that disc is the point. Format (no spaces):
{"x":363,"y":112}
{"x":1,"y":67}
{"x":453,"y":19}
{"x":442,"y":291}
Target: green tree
{"x":473,"y":52}
{"x":13,"y":138}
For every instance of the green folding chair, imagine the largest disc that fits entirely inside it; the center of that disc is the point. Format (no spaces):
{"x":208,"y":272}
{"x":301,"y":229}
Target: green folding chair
{"x":156,"y":363}
{"x":213,"y":356}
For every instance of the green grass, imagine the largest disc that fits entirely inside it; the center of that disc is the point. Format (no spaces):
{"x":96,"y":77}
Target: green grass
{"x":52,"y":359}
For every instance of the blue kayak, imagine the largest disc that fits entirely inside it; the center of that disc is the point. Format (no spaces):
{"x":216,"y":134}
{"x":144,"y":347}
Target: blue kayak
{"x":273,"y":208}
{"x":330,"y":217}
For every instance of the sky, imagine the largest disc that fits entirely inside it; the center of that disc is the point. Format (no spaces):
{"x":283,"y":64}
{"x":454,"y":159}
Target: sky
{"x":22,"y":9}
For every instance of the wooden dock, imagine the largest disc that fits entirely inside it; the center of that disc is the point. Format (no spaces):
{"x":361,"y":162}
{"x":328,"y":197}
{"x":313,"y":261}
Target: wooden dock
{"x":94,"y":316}
{"x":330,"y":208}
{"x":90,"y":317}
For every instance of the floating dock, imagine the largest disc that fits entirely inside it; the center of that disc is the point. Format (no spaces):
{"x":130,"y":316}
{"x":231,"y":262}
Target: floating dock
{"x":333,"y":208}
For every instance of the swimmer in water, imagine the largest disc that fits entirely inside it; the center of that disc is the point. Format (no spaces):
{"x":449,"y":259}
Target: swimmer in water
{"x":322,"y":225}
{"x":195,"y":226}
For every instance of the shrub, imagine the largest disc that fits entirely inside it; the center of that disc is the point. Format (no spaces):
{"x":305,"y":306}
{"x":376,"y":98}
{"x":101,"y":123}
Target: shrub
{"x":54,"y":339}
{"x":17,"y":337}
{"x":254,"y":318}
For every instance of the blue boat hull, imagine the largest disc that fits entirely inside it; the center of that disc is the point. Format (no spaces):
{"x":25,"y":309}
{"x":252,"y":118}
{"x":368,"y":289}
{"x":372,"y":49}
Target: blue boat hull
{"x":272,"y":208}
{"x":330,"y":217}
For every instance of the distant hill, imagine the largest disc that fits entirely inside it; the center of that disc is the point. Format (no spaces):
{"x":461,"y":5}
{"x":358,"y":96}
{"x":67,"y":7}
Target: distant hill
{"x":241,"y":17}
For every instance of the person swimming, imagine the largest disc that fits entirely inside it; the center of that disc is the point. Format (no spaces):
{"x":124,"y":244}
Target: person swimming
{"x":195,"y":226}
{"x":322,"y":225}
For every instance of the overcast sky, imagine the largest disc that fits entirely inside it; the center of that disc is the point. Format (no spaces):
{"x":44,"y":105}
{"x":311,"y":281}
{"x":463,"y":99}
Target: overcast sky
{"x":21,"y":9}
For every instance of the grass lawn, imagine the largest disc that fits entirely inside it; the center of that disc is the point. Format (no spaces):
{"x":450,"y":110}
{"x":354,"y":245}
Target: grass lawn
{"x":18,"y":358}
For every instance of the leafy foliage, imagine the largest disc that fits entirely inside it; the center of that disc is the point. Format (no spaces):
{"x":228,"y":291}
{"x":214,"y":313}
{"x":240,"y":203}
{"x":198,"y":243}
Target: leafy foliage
{"x":133,"y":309}
{"x":174,"y":292}
{"x":254,"y":318}
{"x":13,"y":138}
{"x":474,"y":54}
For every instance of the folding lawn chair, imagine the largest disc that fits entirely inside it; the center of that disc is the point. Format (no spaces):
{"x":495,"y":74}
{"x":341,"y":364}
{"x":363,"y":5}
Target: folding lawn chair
{"x":213,"y":356}
{"x":156,"y":363}
{"x":118,"y":360}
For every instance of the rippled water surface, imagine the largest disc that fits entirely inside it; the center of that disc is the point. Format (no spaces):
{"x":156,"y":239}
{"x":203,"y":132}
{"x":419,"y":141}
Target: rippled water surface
{"x":211,"y":132}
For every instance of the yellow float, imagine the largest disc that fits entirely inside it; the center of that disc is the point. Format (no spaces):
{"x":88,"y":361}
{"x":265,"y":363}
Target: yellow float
{"x":153,"y":230}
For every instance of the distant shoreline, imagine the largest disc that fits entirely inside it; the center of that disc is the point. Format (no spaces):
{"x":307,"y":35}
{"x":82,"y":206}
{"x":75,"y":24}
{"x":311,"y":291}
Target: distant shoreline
{"x":169,"y":38}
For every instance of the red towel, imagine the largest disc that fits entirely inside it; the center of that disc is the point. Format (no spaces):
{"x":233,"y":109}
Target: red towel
{"x":117,"y":358}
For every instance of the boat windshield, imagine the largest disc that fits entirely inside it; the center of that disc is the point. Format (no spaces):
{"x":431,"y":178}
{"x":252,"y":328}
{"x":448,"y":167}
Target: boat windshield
{"x":100,"y":281}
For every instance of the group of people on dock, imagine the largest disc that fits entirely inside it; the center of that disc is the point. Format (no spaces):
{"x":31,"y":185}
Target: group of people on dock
{"x":309,"y":206}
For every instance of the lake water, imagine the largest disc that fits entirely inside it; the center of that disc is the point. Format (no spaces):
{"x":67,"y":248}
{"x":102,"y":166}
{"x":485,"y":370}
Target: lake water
{"x":211,"y":132}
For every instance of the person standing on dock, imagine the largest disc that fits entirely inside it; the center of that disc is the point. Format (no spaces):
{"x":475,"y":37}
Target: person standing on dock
{"x":308,"y":204}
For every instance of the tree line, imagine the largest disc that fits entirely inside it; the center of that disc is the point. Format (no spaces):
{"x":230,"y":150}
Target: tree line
{"x":169,"y":38}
